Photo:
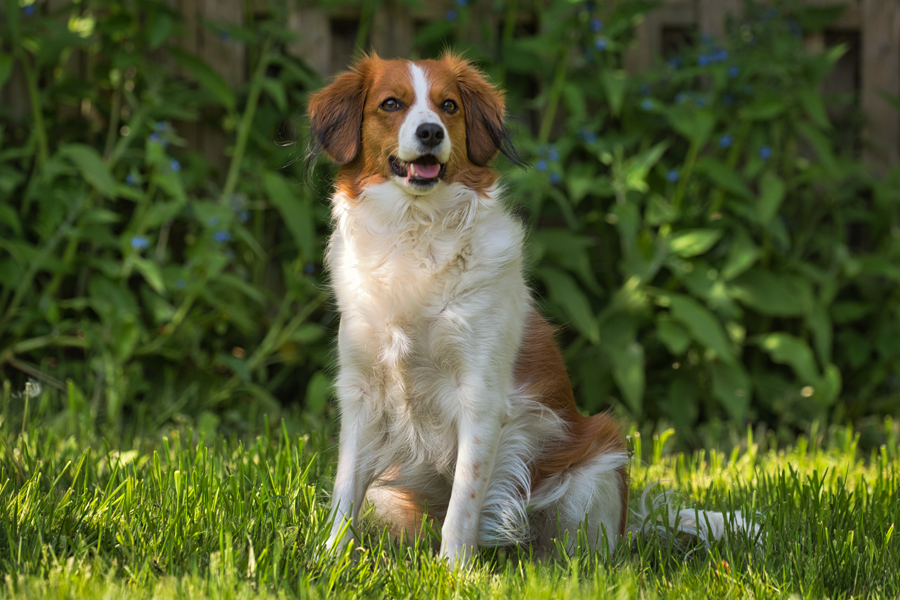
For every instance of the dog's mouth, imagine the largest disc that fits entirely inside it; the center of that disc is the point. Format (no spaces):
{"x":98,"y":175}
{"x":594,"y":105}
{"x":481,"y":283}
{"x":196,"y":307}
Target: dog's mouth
{"x":424,"y":171}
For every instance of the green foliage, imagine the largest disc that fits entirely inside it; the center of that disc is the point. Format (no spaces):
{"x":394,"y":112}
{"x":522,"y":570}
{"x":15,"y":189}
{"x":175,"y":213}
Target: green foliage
{"x":710,"y":222}
{"x":702,"y":231}
{"x":133,"y":266}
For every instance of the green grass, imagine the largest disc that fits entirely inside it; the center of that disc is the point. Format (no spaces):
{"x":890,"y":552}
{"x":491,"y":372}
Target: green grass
{"x":171,"y":516}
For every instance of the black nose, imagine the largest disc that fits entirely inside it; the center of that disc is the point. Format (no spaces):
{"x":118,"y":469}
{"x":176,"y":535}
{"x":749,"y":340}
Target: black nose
{"x":430,"y":134}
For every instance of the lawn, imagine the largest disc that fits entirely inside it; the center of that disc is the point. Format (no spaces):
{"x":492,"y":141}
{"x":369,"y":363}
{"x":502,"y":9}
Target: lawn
{"x":178,"y":515}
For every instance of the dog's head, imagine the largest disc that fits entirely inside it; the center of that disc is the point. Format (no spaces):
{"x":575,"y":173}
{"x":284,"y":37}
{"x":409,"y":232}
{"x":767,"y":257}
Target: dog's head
{"x":418,"y":123}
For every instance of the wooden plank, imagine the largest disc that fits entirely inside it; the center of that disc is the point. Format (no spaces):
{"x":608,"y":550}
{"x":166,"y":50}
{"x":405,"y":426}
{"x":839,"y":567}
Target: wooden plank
{"x":713,"y":14}
{"x":392,"y":33}
{"x":678,"y":13}
{"x":222,"y":53}
{"x":314,"y":45}
{"x":849,"y":19}
{"x":647,"y":45}
{"x":880,"y":75}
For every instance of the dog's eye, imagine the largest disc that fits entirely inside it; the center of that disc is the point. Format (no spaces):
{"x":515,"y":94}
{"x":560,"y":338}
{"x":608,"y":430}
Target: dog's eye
{"x":449,"y":107}
{"x":391,"y":104}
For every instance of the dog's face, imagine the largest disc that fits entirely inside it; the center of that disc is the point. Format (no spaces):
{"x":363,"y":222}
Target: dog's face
{"x":419,"y":124}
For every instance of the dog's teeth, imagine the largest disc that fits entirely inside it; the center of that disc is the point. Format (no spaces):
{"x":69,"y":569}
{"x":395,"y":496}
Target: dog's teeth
{"x":412,"y":170}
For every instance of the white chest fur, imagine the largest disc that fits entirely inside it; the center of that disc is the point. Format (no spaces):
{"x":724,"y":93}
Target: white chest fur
{"x":427,"y":287}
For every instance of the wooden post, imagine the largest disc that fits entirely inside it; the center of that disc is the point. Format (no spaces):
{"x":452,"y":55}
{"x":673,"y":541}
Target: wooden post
{"x":713,"y":14}
{"x":314,"y":45}
{"x":880,"y":75}
{"x":647,"y":45}
{"x":392,"y":30}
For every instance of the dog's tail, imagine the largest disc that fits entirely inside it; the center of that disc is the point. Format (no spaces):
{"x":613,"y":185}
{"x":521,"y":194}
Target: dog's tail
{"x":663,"y":516}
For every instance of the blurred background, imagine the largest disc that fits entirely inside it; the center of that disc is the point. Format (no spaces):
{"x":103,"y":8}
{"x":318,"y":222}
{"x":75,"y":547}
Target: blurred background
{"x":712,"y":200}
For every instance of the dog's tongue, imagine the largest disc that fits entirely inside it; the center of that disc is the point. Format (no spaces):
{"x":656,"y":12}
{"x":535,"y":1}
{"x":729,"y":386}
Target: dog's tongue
{"x":429,"y":171}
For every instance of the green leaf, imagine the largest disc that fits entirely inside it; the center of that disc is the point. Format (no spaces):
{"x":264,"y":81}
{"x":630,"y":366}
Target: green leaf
{"x":568,"y":250}
{"x":731,"y":387}
{"x":742,"y":254}
{"x":786,"y":349}
{"x":151,"y":273}
{"x":317,"y":393}
{"x":702,"y":325}
{"x":771,"y":294}
{"x":692,"y":242}
{"x":6,"y":64}
{"x":275,"y":89}
{"x":771,"y":194}
{"x":811,"y":99}
{"x":820,"y":143}
{"x":615,"y":82}
{"x":829,"y":388}
{"x":725,"y":177}
{"x":91,"y":166}
{"x":208,"y":77}
{"x":566,"y":294}
{"x":675,"y":337}
{"x":296,"y":212}
{"x":695,"y":125}
{"x":763,"y":109}
{"x":628,"y":373}
{"x":635,"y":169}
{"x":822,"y":331}
{"x":659,"y":211}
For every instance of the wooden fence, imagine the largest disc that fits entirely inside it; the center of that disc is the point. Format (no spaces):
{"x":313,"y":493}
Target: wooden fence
{"x":870,"y":70}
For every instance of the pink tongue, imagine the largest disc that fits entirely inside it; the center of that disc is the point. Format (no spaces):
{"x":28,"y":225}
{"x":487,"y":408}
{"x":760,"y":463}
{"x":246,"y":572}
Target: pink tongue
{"x":427,"y":171}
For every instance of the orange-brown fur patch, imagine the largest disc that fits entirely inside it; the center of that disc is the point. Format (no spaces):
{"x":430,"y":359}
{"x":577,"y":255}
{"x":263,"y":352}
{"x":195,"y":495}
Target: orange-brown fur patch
{"x":540,"y":367}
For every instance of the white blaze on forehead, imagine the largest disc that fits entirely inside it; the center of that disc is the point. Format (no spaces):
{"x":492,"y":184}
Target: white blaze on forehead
{"x":420,"y":113}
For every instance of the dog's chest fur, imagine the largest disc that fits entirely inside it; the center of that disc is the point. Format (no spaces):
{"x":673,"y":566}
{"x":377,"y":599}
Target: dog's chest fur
{"x":413,"y":282}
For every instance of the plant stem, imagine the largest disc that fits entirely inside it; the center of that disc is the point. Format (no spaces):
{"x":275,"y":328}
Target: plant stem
{"x":559,"y":81}
{"x":36,"y":111}
{"x":246,"y":122}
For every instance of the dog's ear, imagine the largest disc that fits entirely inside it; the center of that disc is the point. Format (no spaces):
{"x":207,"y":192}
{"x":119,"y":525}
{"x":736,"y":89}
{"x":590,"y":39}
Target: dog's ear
{"x":336,"y":113}
{"x":485,"y":112}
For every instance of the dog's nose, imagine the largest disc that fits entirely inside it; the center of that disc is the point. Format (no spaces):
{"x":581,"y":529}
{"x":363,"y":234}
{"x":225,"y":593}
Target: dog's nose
{"x":430,"y":134}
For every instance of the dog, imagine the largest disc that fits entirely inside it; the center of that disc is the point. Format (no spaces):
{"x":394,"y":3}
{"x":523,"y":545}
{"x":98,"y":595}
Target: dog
{"x":453,"y":394}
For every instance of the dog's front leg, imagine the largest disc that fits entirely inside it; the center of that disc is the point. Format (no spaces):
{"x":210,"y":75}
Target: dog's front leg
{"x":479,"y":430}
{"x":356,"y":464}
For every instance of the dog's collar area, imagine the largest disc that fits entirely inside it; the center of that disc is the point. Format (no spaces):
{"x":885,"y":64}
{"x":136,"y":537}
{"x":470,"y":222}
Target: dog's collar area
{"x":423,"y":171}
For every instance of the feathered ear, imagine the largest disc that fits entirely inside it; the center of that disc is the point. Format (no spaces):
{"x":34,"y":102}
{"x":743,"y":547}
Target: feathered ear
{"x":485,"y":112}
{"x":336,"y":113}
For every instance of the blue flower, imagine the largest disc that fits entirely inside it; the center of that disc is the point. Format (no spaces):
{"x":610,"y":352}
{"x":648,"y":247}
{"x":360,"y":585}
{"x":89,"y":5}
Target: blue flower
{"x":160,"y":125}
{"x":726,"y":140}
{"x":155,"y":137}
{"x":673,"y":175}
{"x":462,"y":3}
{"x":139,"y":242}
{"x":309,"y":269}
{"x":244,"y":216}
{"x":596,"y":25}
{"x":733,"y":72}
{"x":542,"y":165}
{"x":131,"y":179}
{"x":222,"y":236}
{"x":600,"y":43}
{"x":175,"y":165}
{"x":451,"y":15}
{"x":552,"y":154}
{"x":675,"y":62}
{"x":703,"y":60}
{"x":765,"y":152}
{"x":181,"y":284}
{"x":28,"y":10}
{"x":700,"y":101}
{"x":224,"y":36}
{"x":682,"y":97}
{"x":587,"y":135}
{"x":647,"y":104}
{"x":555,"y":178}
{"x":720,"y":56}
